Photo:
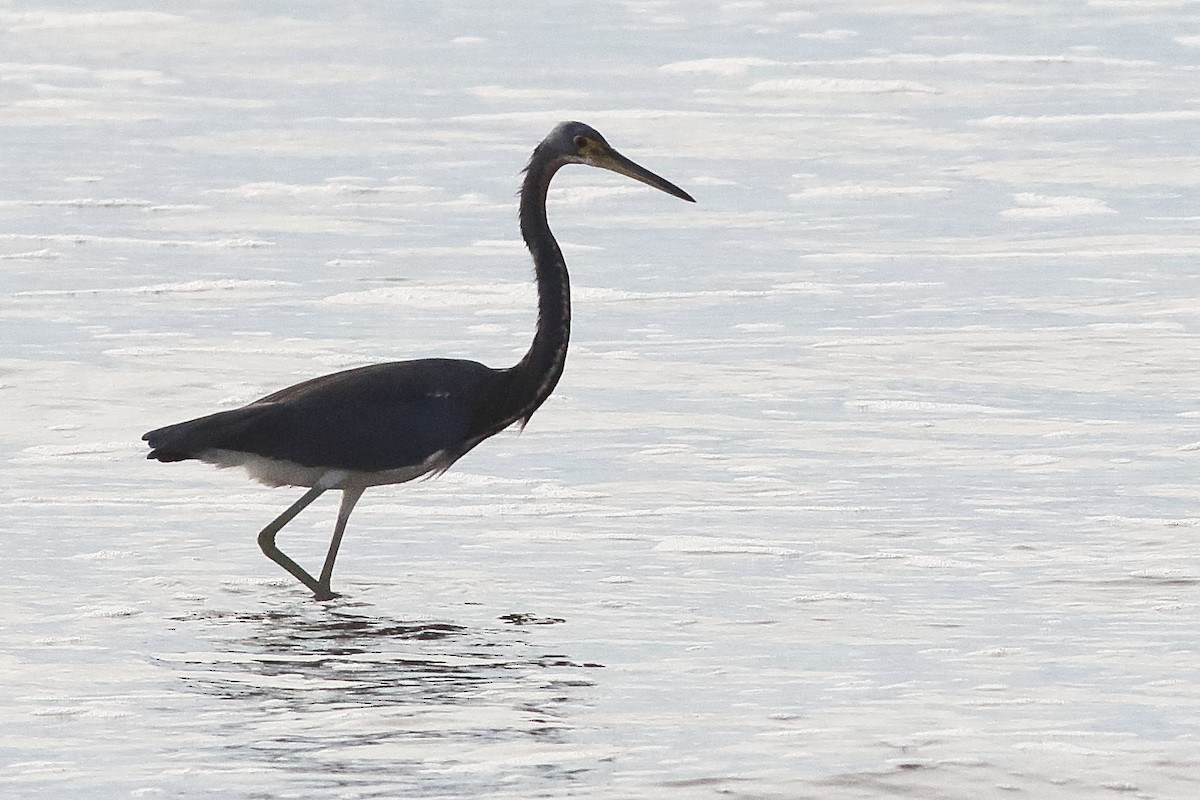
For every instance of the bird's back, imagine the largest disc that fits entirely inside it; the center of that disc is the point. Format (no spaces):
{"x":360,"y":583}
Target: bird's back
{"x":383,"y":417}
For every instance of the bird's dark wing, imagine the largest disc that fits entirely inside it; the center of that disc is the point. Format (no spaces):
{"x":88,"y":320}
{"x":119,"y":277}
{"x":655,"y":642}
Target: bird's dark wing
{"x":381,"y":417}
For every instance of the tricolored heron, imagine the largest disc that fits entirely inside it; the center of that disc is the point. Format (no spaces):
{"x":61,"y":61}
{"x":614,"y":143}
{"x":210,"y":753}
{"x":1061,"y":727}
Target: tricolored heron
{"x":393,"y":422}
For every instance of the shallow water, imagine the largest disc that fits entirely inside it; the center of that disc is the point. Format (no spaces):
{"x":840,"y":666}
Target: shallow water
{"x":871,"y":474}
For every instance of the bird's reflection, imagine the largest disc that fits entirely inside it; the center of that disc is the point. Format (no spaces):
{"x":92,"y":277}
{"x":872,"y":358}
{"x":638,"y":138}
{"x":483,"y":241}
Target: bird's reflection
{"x":304,"y":658}
{"x":332,"y":696}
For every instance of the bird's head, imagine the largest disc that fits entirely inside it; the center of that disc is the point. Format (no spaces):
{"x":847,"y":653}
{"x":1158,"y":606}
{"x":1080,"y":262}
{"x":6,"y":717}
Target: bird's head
{"x":577,"y":143}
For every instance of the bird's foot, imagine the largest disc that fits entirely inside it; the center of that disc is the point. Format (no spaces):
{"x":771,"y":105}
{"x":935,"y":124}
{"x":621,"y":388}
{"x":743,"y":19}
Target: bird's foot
{"x":325,"y":593}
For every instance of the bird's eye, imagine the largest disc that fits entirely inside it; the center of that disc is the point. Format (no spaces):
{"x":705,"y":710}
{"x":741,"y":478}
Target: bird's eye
{"x":580,"y":142}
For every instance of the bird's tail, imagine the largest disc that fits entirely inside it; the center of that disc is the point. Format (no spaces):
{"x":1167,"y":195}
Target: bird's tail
{"x":191,"y":439}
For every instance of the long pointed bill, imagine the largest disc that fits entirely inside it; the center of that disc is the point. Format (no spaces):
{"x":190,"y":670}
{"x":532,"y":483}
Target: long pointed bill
{"x":618,"y":163}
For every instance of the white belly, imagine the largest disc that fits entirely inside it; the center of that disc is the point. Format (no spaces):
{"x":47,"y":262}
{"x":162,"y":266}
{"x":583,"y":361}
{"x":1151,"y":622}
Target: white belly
{"x":277,"y":472}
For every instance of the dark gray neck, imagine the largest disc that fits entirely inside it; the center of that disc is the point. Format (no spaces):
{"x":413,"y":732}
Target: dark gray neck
{"x":534,"y":377}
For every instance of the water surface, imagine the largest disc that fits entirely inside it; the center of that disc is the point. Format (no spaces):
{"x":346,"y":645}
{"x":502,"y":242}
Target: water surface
{"x":873,"y":473}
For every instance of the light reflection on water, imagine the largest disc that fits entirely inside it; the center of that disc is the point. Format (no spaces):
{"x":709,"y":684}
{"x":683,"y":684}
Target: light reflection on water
{"x":873,"y":473}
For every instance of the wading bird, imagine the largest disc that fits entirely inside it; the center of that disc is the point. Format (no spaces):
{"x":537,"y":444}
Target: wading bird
{"x":391,"y":423}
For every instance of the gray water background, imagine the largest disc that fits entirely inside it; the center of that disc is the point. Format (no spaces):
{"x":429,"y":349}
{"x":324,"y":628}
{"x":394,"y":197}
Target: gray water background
{"x":872,"y":474}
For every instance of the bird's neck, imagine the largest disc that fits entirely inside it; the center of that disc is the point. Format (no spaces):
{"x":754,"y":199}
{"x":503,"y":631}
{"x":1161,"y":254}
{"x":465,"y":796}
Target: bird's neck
{"x":536,"y":374}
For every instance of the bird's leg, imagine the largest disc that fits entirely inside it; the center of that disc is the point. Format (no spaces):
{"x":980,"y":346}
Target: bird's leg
{"x":349,"y":498}
{"x":266,"y":540}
